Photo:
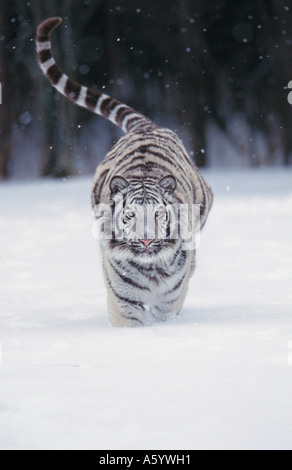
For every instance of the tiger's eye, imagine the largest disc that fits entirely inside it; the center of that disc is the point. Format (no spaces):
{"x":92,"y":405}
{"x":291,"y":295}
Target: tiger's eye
{"x":160,"y":212}
{"x":131,"y":214}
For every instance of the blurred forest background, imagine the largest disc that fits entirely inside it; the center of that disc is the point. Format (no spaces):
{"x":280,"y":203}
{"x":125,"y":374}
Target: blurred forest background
{"x":216,"y":72}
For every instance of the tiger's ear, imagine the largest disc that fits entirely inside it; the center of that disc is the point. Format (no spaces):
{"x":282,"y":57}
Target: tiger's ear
{"x":168,"y":184}
{"x":117,"y":184}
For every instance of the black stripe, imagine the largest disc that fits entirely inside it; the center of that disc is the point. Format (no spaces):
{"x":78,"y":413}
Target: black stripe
{"x":45,"y":55}
{"x":153,"y":273}
{"x":135,"y":119}
{"x":160,"y":152}
{"x":147,"y":166}
{"x":72,"y":89}
{"x":123,"y":113}
{"x":166,"y":311}
{"x":145,"y":197}
{"x":171,"y":137}
{"x":127,"y":280}
{"x":143,"y":166}
{"x":173,"y":163}
{"x":139,"y":267}
{"x":107,"y":106}
{"x":136,"y":151}
{"x":54,"y":74}
{"x":92,"y":98}
{"x":170,"y":302}
{"x":136,"y":303}
{"x":128,"y":317}
{"x":122,"y":147}
{"x":182,"y":259}
{"x":133,"y":193}
{"x":177,"y":286}
{"x":148,"y":182}
{"x":133,"y":154}
{"x":135,"y":158}
{"x":175,"y":256}
{"x":161,"y":272}
{"x":154,"y":270}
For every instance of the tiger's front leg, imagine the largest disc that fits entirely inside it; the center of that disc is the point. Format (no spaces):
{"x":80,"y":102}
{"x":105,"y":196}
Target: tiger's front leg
{"x":123,"y":313}
{"x":166,"y":307}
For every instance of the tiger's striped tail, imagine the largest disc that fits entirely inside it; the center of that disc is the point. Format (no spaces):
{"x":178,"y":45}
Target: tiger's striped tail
{"x":99,"y":103}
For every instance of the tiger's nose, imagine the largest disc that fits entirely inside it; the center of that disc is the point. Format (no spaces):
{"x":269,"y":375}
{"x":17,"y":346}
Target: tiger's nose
{"x":146,"y":242}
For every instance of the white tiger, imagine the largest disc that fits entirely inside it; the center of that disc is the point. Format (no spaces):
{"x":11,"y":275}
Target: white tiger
{"x":146,"y":277}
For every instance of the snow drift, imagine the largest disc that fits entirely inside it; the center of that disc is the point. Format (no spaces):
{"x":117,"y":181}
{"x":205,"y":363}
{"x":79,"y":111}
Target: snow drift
{"x":219,"y":377}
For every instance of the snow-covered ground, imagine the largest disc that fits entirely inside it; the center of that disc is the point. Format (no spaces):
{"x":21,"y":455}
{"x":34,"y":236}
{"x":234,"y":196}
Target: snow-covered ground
{"x":220,"y":377}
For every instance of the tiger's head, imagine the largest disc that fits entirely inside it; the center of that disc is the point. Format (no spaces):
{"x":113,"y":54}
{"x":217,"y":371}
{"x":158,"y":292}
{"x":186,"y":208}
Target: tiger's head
{"x":144,"y":216}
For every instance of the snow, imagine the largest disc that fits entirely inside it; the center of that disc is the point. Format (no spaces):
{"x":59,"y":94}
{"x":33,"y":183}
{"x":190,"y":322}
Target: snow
{"x":219,"y":377}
